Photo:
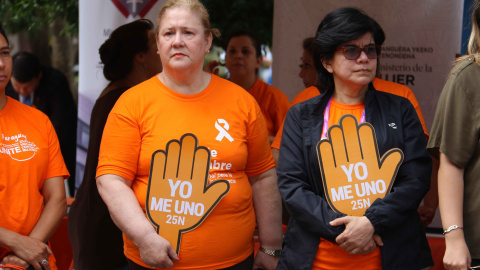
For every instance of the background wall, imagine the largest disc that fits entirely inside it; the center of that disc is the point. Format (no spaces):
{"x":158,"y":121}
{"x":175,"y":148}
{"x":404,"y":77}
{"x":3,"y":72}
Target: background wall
{"x":422,"y":39}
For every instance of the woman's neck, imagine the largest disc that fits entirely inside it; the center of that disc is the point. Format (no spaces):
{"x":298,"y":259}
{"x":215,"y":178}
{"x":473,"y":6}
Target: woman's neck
{"x":186,"y":83}
{"x":3,"y":100}
{"x":349,"y":94}
{"x":246,"y":82}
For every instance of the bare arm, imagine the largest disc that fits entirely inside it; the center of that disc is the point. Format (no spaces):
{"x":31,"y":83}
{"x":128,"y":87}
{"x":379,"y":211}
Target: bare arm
{"x":275,"y":153}
{"x":53,"y":191}
{"x":450,"y":191}
{"x":268,"y":210}
{"x":125,"y":211}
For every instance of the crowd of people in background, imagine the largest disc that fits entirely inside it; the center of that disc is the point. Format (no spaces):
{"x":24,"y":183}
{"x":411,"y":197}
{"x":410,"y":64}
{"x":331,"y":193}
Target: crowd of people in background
{"x":158,"y":104}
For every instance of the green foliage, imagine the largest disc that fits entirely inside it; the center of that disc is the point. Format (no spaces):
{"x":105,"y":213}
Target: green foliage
{"x":33,"y":15}
{"x":230,"y":15}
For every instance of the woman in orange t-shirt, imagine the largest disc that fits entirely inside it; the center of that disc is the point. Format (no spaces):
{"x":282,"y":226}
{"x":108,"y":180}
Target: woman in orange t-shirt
{"x":32,"y":170}
{"x":227,"y":121}
{"x":389,"y":235}
{"x":243,"y":58}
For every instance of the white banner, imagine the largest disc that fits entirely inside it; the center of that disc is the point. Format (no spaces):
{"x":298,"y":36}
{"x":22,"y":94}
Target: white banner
{"x":422,"y":40}
{"x":98,"y":18}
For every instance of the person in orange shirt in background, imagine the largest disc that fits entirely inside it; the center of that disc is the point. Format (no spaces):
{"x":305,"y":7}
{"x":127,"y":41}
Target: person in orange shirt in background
{"x":32,"y":173}
{"x":225,"y":119}
{"x":242,"y":59}
{"x":310,"y":80}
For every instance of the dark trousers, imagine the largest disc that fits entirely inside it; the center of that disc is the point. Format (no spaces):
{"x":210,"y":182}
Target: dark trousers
{"x":244,"y":265}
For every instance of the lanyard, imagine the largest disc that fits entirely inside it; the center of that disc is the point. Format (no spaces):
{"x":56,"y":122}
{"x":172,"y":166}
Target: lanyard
{"x":326,"y":119}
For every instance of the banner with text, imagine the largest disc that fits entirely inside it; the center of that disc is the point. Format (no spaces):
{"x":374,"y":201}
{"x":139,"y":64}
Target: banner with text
{"x":97,"y":19}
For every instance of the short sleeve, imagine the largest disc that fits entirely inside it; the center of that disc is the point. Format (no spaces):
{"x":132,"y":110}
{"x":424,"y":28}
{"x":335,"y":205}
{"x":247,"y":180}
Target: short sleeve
{"x":454,"y":131}
{"x":120,"y":146}
{"x":260,"y":157}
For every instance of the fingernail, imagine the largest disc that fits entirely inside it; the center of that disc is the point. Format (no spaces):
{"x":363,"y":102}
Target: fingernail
{"x":179,"y":257}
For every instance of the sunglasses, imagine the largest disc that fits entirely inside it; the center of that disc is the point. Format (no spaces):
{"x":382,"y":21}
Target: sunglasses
{"x":353,"y":52}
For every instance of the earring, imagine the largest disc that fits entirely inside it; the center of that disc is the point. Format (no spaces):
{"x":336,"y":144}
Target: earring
{"x":208,"y":51}
{"x":158,"y":52}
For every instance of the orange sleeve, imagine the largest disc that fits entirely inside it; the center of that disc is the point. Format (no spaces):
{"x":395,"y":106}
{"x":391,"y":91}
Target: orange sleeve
{"x":410,"y":96}
{"x":279,"y":110}
{"x":260,"y":157}
{"x":120,"y":145}
{"x":306,"y":94}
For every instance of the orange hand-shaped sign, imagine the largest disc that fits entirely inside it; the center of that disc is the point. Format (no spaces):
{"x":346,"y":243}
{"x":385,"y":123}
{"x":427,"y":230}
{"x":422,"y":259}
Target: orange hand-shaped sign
{"x":353,"y":173}
{"x":179,"y":197}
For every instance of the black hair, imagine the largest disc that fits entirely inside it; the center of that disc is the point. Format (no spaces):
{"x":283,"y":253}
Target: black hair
{"x":26,"y":66}
{"x":2,"y":31}
{"x":255,"y":40}
{"x":118,"y":51}
{"x":340,"y":26}
{"x":309,"y":45}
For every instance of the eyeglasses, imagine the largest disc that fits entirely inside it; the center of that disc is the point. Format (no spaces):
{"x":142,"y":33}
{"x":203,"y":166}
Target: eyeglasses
{"x":353,"y":52}
{"x":474,"y":267}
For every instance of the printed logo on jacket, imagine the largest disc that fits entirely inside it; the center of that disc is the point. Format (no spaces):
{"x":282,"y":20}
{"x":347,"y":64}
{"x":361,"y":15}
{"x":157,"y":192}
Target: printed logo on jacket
{"x":18,"y":147}
{"x":179,"y":195}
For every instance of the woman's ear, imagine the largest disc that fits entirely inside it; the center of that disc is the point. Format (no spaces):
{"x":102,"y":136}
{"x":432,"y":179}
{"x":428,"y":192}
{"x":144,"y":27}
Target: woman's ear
{"x":140,"y":57}
{"x":208,"y":42}
{"x":259,"y":62}
{"x":326,"y":64}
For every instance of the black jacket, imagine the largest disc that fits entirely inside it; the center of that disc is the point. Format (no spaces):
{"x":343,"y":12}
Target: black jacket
{"x":395,"y":218}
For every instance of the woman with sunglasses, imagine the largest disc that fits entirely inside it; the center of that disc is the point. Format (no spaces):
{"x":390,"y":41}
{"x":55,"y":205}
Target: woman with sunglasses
{"x":390,"y":234}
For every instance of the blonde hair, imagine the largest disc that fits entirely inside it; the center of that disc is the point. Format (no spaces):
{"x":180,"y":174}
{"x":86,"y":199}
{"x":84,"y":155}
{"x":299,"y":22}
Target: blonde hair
{"x":473,"y":47}
{"x":195,"y":6}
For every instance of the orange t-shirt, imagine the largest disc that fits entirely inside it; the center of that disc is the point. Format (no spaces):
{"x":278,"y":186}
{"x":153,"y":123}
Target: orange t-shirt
{"x":149,"y":115}
{"x":29,"y":154}
{"x":330,"y":255}
{"x":379,"y":84}
{"x":273,"y":103}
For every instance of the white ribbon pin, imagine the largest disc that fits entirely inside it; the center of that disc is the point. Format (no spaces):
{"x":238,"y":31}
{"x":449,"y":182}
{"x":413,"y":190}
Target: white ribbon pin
{"x":222,"y":130}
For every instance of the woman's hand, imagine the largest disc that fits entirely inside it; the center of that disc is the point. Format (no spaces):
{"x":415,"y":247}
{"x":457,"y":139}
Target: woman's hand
{"x":157,"y":252}
{"x":357,"y":238}
{"x":14,"y":260}
{"x":30,"y":250}
{"x":457,"y":255}
{"x":11,"y":259}
{"x":265,"y":261}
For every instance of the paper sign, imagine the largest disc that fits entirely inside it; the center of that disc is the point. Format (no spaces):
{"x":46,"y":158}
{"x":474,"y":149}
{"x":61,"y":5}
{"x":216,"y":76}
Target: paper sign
{"x":353,"y":173}
{"x":179,"y":197}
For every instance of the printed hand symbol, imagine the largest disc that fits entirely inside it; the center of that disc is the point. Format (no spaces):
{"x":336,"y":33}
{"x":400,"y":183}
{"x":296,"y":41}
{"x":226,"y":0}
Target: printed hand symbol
{"x":179,"y":197}
{"x":353,"y":173}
